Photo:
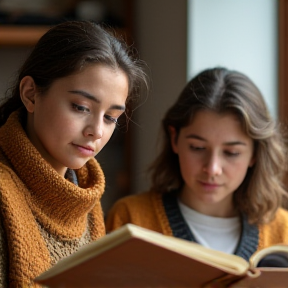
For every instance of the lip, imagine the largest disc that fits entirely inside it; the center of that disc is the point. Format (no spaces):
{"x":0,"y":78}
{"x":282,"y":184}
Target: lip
{"x":86,"y":150}
{"x":209,"y":185}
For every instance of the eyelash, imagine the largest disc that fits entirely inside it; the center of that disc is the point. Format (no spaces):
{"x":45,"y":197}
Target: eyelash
{"x":195,"y":148}
{"x":83,"y":109}
{"x":113,"y":120}
{"x":230,"y":154}
{"x":200,"y":149}
{"x":80,"y":108}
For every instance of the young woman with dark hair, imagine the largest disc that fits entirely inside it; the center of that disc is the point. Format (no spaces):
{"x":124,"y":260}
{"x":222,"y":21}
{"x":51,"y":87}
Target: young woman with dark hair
{"x":60,"y":113}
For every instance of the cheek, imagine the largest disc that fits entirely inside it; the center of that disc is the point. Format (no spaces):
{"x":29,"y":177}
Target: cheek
{"x":238,"y":171}
{"x":189,"y":165}
{"x":55,"y":125}
{"x":69,"y":127}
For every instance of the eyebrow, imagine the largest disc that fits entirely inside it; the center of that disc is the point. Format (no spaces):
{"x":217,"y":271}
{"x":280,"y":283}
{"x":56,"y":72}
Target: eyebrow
{"x":232,"y":143}
{"x":93,"y":98}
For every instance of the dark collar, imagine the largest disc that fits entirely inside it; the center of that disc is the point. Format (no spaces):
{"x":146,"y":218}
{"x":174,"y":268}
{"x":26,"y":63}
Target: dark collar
{"x":71,"y":176}
{"x":249,"y":236}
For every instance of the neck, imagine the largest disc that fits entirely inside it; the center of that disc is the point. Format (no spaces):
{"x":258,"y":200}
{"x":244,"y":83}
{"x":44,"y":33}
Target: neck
{"x":224,"y":208}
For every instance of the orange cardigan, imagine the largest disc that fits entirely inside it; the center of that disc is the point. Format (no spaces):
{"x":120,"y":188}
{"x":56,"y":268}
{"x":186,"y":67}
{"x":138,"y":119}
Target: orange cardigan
{"x":147,"y":210}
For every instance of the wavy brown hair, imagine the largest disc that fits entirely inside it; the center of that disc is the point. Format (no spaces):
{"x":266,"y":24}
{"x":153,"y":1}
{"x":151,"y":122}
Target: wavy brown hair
{"x":65,"y":49}
{"x":222,"y":91}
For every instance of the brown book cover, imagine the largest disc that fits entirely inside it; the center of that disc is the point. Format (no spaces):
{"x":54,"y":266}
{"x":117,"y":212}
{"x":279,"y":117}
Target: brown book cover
{"x":136,"y":257}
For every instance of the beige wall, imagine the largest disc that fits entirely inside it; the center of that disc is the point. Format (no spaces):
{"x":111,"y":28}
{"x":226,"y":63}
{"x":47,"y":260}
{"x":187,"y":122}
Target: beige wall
{"x":10,"y":61}
{"x":161,"y":38}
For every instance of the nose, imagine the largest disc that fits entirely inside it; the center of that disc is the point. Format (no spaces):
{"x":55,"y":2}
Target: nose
{"x":94,"y":130}
{"x":213,"y":165}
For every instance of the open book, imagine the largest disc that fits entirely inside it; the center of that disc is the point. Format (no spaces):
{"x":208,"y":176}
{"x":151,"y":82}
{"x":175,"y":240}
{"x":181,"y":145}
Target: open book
{"x":132,"y":256}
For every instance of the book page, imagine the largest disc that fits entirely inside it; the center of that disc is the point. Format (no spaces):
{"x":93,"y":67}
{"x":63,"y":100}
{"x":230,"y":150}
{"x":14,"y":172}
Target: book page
{"x":259,"y":255}
{"x":227,"y":262}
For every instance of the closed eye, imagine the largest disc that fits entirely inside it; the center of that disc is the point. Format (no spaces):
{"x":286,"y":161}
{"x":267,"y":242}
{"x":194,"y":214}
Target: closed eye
{"x":81,"y":109}
{"x":232,"y":154}
{"x":111,"y":119}
{"x":197,"y":148}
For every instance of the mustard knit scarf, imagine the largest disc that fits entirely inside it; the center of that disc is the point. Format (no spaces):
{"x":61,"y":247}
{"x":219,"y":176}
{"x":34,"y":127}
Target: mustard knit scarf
{"x":31,"y":190}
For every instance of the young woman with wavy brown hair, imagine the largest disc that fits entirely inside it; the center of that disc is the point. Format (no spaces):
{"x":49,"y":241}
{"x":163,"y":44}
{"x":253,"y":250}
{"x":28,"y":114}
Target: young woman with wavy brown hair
{"x":218,"y":177}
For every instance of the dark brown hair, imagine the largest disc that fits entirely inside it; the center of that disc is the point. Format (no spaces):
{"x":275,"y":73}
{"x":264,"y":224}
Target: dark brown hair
{"x":65,"y":49}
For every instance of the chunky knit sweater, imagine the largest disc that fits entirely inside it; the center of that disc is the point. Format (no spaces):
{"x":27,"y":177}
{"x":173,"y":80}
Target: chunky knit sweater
{"x":162,"y":214}
{"x":44,"y":217}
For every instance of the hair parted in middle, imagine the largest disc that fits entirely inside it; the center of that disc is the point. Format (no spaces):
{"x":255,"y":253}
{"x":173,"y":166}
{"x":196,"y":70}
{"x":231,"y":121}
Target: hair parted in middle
{"x":225,"y":91}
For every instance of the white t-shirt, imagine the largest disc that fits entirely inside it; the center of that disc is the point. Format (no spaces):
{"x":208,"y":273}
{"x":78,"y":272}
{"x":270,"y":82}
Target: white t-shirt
{"x":220,"y":234}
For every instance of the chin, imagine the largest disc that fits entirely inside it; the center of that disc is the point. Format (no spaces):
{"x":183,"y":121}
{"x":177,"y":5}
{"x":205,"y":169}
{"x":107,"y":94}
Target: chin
{"x":76,"y":166}
{"x":209,"y":200}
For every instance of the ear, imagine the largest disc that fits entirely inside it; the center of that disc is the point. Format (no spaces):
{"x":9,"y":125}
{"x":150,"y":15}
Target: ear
{"x":173,"y":138}
{"x":28,"y":91}
{"x":253,"y":157}
{"x":252,"y":161}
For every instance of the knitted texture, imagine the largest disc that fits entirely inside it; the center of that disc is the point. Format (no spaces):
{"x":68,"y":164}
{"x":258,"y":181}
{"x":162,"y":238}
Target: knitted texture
{"x":32,"y":194}
{"x":60,"y":249}
{"x":276,"y":229}
{"x":147,"y":210}
{"x":3,"y":258}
